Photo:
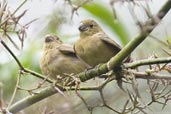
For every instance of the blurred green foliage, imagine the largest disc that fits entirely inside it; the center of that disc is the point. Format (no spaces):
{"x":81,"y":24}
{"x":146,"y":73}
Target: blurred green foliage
{"x":54,"y":21}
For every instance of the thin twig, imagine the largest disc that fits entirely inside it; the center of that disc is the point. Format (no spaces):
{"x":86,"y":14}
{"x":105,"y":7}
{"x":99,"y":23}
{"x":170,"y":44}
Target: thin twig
{"x":14,"y":12}
{"x":144,"y":75}
{"x":15,"y":90}
{"x":12,"y":54}
{"x":148,"y":62}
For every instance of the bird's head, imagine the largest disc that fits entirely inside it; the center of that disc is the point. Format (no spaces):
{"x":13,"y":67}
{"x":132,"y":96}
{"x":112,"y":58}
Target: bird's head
{"x":89,"y":27}
{"x":52,"y":41}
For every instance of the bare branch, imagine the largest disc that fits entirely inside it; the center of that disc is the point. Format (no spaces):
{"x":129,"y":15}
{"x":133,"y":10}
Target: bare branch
{"x":148,"y":62}
{"x":12,"y":54}
{"x":145,"y":75}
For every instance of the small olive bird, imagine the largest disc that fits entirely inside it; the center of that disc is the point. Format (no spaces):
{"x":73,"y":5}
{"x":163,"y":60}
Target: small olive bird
{"x":94,"y":46}
{"x":59,"y":58}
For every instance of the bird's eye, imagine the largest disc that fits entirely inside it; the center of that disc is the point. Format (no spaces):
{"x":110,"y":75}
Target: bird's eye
{"x":91,"y":25}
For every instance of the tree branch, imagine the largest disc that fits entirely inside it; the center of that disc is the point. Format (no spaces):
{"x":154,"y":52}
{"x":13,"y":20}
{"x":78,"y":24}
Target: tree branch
{"x":12,"y":54}
{"x":33,"y":99}
{"x":51,"y":90}
{"x":148,"y":62}
{"x":145,"y":75}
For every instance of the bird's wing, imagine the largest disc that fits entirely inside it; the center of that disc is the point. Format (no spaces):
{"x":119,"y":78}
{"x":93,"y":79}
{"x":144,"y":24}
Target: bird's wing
{"x":66,"y":49}
{"x":109,"y":41}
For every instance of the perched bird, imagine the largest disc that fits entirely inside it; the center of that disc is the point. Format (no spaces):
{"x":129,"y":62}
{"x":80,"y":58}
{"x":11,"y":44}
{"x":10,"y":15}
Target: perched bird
{"x":59,"y":58}
{"x":94,"y":46}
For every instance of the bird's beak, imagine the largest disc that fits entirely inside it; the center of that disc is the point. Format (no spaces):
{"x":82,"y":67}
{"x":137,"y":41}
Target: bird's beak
{"x":48,"y":38}
{"x":83,"y":27}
